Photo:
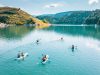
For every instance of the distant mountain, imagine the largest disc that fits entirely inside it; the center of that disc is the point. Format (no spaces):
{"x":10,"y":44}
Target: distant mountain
{"x":9,"y":15}
{"x":73,"y":17}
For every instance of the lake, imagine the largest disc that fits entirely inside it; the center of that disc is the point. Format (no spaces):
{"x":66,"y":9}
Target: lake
{"x":84,"y":60}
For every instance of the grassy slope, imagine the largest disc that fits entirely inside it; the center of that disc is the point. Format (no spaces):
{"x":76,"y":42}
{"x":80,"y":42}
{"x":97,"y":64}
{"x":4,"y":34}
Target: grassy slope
{"x":10,"y":15}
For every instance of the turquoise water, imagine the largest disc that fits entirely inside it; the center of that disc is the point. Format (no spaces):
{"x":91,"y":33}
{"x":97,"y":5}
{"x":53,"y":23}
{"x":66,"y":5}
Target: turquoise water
{"x":85,"y":60}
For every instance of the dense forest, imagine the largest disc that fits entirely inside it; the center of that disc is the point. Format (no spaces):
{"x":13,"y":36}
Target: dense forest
{"x":73,"y":17}
{"x":93,"y":18}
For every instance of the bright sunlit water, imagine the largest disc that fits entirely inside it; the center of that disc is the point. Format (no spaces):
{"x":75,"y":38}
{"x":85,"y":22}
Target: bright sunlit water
{"x":85,"y":60}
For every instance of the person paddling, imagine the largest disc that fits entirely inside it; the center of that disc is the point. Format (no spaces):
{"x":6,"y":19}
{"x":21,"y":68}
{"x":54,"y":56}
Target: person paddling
{"x":22,"y":54}
{"x":19,"y":55}
{"x":73,"y":48}
{"x":37,"y":41}
{"x":61,"y":38}
{"x":44,"y":58}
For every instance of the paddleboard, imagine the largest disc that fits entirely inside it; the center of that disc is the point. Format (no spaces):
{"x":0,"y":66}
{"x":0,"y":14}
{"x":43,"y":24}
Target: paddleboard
{"x":43,"y":62}
{"x":22,"y":57}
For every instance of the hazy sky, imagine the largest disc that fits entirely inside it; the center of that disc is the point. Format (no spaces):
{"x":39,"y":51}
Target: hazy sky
{"x":37,"y":7}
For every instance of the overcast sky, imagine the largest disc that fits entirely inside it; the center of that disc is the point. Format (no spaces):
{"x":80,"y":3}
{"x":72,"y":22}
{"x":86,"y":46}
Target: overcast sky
{"x":37,"y":7}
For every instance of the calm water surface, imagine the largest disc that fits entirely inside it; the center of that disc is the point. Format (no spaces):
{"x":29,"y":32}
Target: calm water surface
{"x":85,"y":60}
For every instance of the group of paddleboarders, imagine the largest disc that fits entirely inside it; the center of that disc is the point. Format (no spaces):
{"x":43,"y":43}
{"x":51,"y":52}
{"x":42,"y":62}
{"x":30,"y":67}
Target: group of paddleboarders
{"x":45,"y":57}
{"x":72,"y":47}
{"x":21,"y":55}
{"x":38,"y":40}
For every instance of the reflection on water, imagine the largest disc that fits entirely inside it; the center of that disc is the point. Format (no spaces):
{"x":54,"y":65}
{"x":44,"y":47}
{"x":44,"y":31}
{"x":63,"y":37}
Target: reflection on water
{"x":15,"y":32}
{"x":85,"y":31}
{"x":18,"y":32}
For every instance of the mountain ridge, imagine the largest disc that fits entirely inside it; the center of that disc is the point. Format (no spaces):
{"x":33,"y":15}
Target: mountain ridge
{"x":73,"y":17}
